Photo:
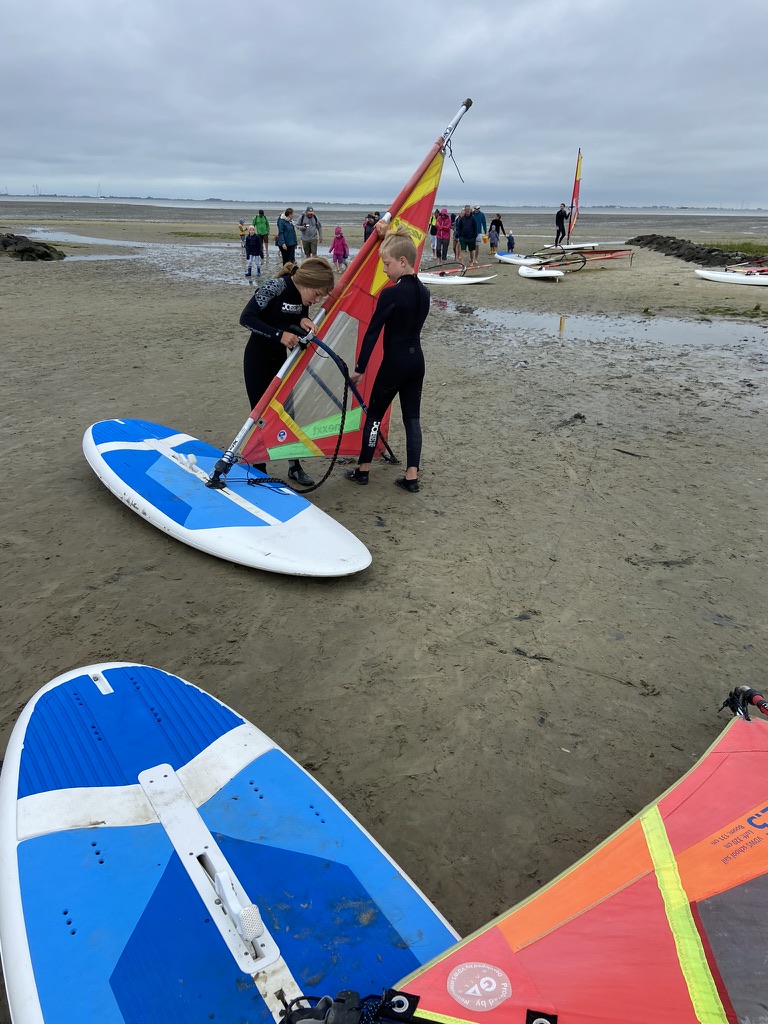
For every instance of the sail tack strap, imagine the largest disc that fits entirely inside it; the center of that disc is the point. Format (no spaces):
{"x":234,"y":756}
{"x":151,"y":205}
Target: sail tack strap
{"x":702,"y":989}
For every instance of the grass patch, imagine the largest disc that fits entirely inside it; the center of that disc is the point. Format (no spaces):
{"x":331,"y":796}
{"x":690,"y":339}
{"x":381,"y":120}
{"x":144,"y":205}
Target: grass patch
{"x":750,"y":248}
{"x":755,"y":313}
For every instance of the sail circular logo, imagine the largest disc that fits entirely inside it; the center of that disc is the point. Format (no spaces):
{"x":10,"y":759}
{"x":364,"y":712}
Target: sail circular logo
{"x":282,"y":435}
{"x":479,"y":986}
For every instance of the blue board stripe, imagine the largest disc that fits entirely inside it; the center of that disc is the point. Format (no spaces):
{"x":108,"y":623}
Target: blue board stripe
{"x":180,"y":495}
{"x":171,"y":723}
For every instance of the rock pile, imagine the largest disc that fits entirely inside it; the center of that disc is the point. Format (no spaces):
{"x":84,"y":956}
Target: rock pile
{"x":19,"y":247}
{"x":704,"y":255}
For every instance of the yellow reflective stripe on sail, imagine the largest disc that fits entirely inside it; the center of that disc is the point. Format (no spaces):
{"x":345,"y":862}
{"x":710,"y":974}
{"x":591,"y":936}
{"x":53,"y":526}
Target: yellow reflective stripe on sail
{"x":441,"y":1017}
{"x":293,"y":425}
{"x":705,"y":999}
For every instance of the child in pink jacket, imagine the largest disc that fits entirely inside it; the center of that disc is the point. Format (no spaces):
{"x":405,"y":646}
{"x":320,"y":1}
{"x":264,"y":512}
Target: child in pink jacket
{"x":339,"y":250}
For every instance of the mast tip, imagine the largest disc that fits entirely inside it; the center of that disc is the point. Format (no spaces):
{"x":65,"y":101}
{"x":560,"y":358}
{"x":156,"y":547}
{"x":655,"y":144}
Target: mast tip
{"x":467,"y":103}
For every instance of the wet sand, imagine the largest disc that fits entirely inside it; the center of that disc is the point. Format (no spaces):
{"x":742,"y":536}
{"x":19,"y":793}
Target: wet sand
{"x":548,"y":628}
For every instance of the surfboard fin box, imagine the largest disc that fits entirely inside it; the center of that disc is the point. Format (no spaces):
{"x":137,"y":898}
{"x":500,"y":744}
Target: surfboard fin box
{"x":238,"y":919}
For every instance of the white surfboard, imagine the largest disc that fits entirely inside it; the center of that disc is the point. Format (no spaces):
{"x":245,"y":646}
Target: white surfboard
{"x":161,"y":474}
{"x":574,"y":246}
{"x":427,"y":278}
{"x":757,"y":277}
{"x":546,"y":273}
{"x":518,"y":260}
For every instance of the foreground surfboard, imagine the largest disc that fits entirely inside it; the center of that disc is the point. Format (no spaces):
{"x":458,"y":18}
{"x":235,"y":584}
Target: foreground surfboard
{"x":161,"y":473}
{"x":665,"y":922}
{"x":142,"y":822}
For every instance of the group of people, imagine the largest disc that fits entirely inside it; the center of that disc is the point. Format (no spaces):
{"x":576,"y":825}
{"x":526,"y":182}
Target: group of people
{"x":468,"y":229}
{"x":282,"y":304}
{"x":308,"y":230}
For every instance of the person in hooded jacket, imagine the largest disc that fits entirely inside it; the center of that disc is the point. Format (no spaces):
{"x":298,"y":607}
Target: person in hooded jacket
{"x":443,"y":234}
{"x":339,"y":250}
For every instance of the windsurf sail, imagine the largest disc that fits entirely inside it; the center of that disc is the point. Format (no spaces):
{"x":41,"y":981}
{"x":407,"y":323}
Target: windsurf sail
{"x":664,"y":922}
{"x":574,"y":214}
{"x":301,"y":414}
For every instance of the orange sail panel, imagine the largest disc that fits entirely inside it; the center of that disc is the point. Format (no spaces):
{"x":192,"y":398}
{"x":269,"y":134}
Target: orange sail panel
{"x":664,"y":922}
{"x":575,"y":198}
{"x":304,"y":416}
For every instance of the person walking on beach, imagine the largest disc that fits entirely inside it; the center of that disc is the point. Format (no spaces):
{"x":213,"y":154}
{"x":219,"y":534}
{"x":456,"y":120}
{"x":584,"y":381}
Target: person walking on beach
{"x":433,"y":232}
{"x":443,"y":234}
{"x":339,"y":250}
{"x":286,"y":236}
{"x":253,"y":251}
{"x":281,"y":303}
{"x":261,"y":224}
{"x":466,"y":234}
{"x":368,"y":225}
{"x":311,"y":231}
{"x":242,"y":231}
{"x":561,"y":218}
{"x":400,"y":312}
{"x":479,"y":216}
{"x":497,"y":225}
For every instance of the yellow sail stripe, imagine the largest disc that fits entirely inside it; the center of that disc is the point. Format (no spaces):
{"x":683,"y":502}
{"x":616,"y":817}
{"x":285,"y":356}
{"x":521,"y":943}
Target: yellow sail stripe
{"x":705,"y":999}
{"x":441,"y":1017}
{"x":293,"y":425}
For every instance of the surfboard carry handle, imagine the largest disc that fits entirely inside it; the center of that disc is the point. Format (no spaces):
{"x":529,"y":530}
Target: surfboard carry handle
{"x":740,"y":700}
{"x":236,"y":917}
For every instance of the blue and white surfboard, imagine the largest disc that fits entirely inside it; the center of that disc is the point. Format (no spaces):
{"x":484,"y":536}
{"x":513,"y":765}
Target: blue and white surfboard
{"x":161,"y":474}
{"x":162,"y":860}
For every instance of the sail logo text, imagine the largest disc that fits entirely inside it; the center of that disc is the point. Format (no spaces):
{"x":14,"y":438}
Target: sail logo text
{"x":478,"y":986}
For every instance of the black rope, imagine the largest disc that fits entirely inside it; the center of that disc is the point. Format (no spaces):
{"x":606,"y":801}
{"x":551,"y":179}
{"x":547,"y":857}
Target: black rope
{"x":449,"y":152}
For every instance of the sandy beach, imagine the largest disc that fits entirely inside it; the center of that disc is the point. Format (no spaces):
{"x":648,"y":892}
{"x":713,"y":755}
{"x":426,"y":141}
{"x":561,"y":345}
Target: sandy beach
{"x":548,"y":628}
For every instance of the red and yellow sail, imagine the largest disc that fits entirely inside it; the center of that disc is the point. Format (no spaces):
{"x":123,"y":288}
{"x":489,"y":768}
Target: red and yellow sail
{"x":303,"y":417}
{"x":575,"y":198}
{"x":664,"y":922}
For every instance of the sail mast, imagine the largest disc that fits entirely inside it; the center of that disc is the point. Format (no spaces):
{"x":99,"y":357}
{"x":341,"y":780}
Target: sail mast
{"x":357,"y":280}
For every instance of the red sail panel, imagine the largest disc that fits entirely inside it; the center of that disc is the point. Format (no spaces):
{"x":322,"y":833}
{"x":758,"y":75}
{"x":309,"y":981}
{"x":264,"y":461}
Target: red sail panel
{"x":303,"y":417}
{"x":663,"y":922}
{"x":575,"y":198}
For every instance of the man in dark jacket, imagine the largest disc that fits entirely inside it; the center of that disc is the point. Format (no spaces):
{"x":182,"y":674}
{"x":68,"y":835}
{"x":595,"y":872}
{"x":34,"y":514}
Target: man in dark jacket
{"x":466,"y":232}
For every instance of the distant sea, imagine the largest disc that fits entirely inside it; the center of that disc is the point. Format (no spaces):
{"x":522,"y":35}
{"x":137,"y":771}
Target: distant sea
{"x":354,"y":208}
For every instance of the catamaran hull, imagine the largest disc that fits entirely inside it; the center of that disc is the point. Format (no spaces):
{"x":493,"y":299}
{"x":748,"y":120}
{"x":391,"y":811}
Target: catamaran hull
{"x":758,"y":277}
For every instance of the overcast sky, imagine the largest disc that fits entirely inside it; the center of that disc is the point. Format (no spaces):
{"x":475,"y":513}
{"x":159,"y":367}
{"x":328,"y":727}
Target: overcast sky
{"x":292,"y":101}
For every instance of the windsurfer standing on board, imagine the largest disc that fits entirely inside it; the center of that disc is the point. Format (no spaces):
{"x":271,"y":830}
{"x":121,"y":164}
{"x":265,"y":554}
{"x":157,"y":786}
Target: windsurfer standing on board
{"x":278,"y":305}
{"x":400,"y":312}
{"x":561,"y":218}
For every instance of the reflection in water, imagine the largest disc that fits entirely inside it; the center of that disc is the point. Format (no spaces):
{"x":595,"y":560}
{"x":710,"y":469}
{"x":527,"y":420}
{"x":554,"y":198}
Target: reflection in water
{"x":520,"y":327}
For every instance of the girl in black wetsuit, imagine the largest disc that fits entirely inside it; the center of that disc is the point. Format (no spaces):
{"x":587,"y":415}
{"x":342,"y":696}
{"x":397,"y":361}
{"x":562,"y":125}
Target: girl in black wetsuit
{"x":401,"y":312}
{"x":279,"y":304}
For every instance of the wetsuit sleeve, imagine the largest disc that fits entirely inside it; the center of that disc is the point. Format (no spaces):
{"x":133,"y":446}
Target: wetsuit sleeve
{"x":383,"y":308}
{"x":252,"y":315}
